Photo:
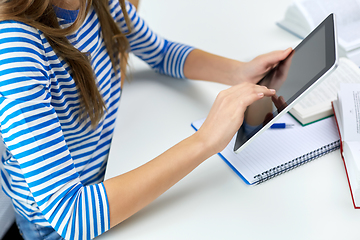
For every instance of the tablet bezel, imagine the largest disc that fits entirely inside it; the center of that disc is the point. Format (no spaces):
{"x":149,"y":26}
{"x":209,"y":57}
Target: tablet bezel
{"x":331,"y":64}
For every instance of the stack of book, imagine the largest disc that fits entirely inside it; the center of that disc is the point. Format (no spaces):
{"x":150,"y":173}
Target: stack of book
{"x":304,"y":15}
{"x":347,"y":115}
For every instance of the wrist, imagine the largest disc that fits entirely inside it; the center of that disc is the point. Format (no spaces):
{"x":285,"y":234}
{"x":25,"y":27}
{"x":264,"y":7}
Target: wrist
{"x":207,"y":145}
{"x":236,"y":73}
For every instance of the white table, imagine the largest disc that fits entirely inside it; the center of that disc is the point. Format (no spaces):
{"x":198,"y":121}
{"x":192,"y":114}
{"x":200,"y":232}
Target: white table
{"x":310,"y":202}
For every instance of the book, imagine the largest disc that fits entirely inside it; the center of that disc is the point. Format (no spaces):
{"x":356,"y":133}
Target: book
{"x":316,"y":105}
{"x":277,"y":151}
{"x":302,"y":16}
{"x":347,"y":115}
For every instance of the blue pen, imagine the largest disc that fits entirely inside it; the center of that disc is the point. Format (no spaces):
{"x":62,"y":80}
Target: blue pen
{"x":281,"y":125}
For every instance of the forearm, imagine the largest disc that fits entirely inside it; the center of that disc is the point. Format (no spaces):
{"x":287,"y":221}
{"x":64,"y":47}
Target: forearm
{"x":201,"y":65}
{"x":132,"y":191}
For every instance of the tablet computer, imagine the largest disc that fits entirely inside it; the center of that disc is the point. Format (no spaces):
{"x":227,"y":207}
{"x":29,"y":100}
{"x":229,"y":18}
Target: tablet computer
{"x":304,"y":68}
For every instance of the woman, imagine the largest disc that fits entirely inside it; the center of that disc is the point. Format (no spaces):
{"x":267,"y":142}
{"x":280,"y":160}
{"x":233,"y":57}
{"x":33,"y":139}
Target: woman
{"x":60,"y":85}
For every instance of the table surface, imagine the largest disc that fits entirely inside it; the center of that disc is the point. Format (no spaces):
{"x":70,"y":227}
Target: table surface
{"x":309,"y":202}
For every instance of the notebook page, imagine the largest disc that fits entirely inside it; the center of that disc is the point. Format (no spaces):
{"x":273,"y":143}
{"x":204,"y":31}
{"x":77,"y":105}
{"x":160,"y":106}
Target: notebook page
{"x":279,"y":146}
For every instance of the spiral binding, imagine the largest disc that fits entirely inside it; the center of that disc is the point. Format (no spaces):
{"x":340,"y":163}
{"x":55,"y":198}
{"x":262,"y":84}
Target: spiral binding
{"x":273,"y":172}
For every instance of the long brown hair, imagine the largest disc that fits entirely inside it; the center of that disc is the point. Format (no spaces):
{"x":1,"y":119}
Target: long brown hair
{"x":40,"y":14}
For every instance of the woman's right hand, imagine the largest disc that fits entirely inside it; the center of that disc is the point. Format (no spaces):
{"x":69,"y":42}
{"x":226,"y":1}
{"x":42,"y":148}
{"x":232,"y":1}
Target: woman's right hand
{"x":227,"y":114}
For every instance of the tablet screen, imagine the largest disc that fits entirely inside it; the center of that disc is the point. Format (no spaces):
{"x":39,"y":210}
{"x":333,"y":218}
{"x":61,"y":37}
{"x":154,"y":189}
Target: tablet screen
{"x":292,"y":77}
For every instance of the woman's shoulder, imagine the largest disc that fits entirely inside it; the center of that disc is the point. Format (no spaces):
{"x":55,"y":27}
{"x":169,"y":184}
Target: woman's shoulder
{"x":18,"y":29}
{"x":17,"y":26}
{"x":18,"y":32}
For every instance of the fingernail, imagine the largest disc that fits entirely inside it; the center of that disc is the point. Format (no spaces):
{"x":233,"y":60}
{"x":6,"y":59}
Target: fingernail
{"x":272,"y":90}
{"x":260,"y":94}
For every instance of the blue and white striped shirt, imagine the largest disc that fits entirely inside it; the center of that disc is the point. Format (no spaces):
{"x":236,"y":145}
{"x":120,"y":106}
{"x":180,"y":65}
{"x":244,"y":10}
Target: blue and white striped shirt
{"x":54,"y":164}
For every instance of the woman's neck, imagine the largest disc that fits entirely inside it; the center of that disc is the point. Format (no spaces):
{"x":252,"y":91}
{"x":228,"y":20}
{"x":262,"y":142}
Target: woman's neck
{"x":67,"y":4}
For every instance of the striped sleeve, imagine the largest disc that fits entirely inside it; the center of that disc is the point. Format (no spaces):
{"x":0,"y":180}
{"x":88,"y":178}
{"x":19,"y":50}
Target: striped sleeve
{"x":164,"y":56}
{"x":32,"y":133}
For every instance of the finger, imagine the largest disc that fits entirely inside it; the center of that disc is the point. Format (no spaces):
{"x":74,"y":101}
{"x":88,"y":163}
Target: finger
{"x":265,"y":91}
{"x":274,"y":98}
{"x":284,"y":54}
{"x":274,"y":57}
{"x":246,"y":88}
{"x":287,"y":52}
{"x":281,"y":100}
{"x":255,"y":94}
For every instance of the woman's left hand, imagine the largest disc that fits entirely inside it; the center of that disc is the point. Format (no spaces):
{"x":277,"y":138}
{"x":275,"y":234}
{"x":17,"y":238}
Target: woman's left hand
{"x":257,"y":68}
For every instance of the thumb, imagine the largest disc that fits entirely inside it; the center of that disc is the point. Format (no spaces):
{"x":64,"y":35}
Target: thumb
{"x":277,"y":56}
{"x":285,"y":53}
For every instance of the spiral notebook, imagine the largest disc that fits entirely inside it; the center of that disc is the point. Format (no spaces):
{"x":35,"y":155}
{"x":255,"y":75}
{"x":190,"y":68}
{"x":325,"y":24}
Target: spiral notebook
{"x":277,"y":151}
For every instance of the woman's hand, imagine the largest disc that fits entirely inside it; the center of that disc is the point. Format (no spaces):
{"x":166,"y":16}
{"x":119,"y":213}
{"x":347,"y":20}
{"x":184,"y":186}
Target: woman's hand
{"x":227,"y":114}
{"x":257,"y":68}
